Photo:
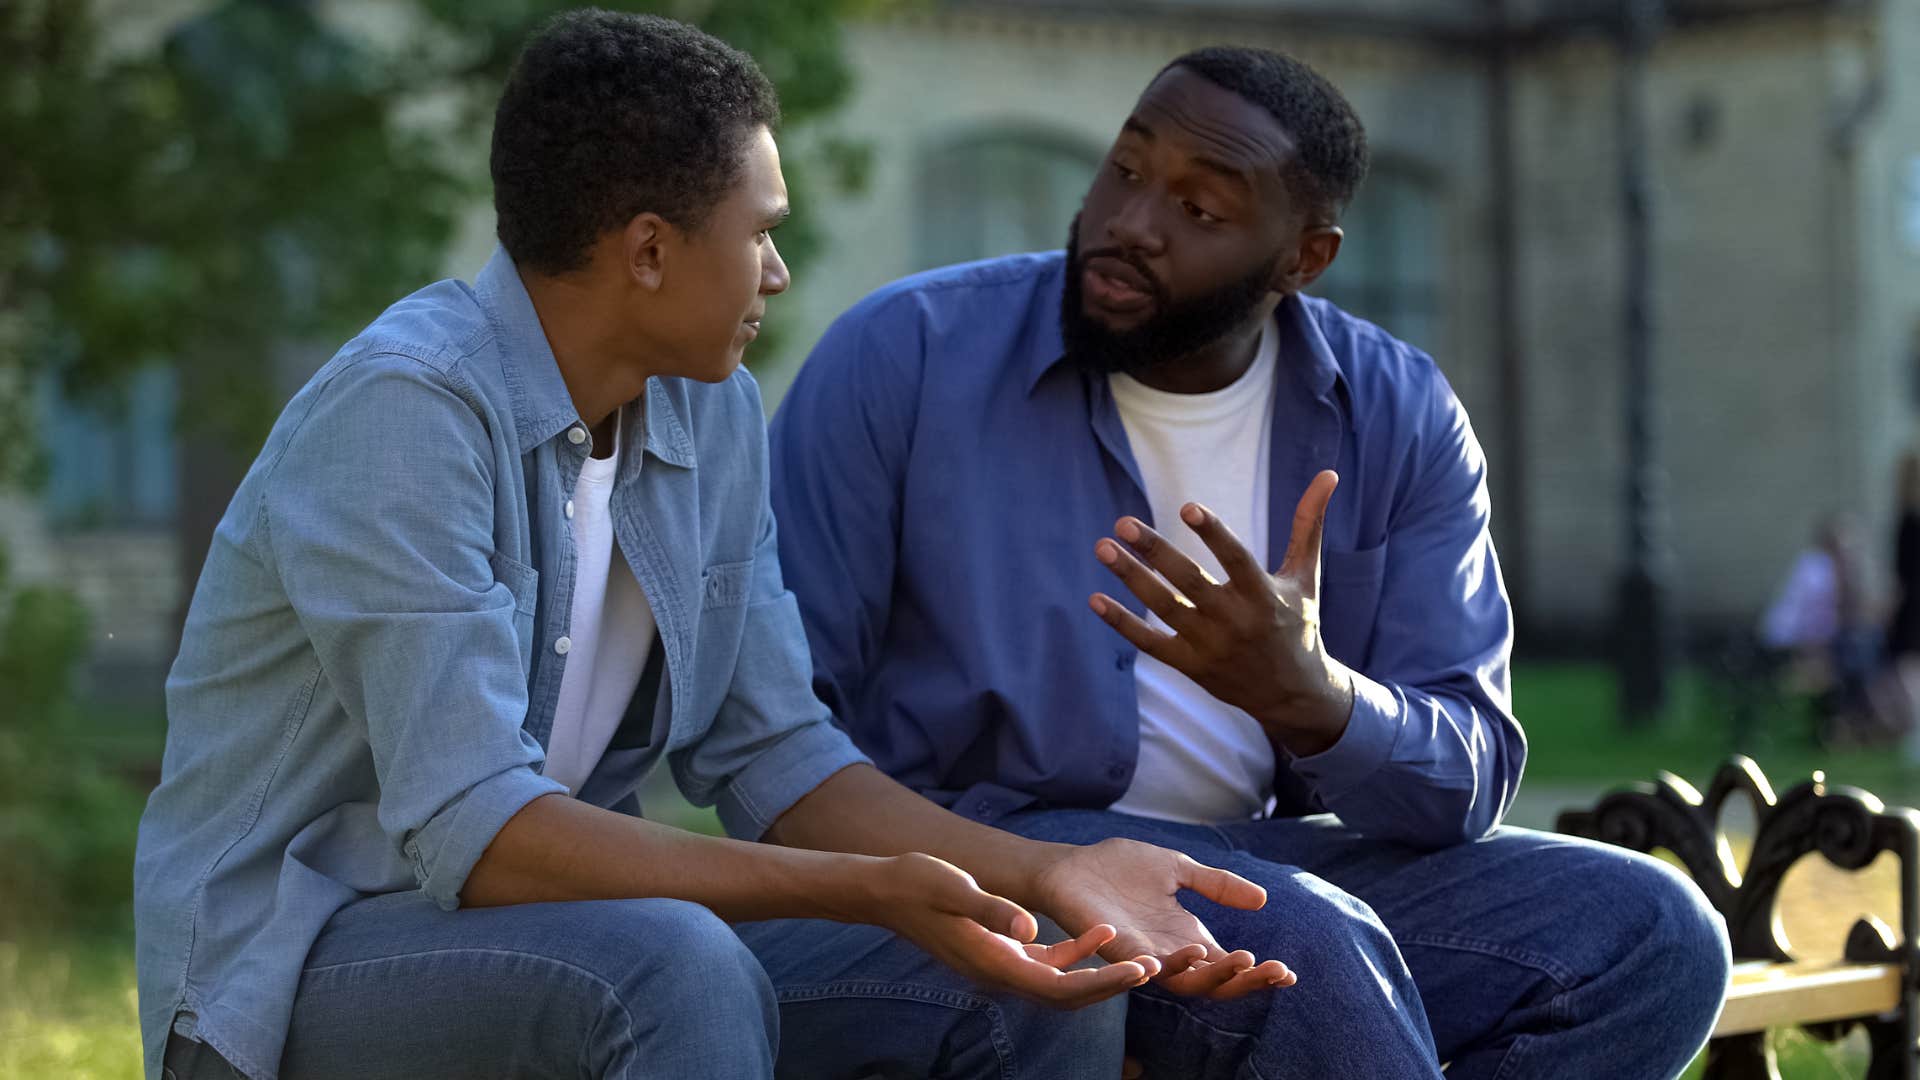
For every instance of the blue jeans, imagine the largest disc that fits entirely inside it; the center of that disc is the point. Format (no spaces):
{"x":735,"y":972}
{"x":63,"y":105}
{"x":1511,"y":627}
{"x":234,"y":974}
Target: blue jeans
{"x":1523,"y":954}
{"x":396,"y":987}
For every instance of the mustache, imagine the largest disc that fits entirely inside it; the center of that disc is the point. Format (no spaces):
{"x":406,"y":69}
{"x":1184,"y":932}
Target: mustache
{"x":1155,"y":286}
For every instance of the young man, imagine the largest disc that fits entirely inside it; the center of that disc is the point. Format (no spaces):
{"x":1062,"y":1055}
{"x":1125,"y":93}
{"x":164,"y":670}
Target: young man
{"x":973,"y":457}
{"x":506,"y":551}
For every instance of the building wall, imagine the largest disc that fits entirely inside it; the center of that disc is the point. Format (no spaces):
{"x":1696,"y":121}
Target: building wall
{"x":927,"y":79}
{"x":1886,"y":233}
{"x":1760,"y":387}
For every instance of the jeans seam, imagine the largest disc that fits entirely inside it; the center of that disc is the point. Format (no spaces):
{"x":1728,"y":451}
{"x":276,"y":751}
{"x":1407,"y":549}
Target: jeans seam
{"x":1546,"y":965}
{"x":1003,"y":1047}
{"x":933,"y":995}
{"x":1200,"y":1020}
{"x":1510,"y":1061}
{"x":605,"y":984}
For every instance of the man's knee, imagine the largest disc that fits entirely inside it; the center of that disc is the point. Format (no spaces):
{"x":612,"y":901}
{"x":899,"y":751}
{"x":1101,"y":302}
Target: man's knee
{"x":688,"y":949}
{"x":682,"y":973}
{"x":1662,"y":928}
{"x":1307,"y":921}
{"x":1692,"y":934}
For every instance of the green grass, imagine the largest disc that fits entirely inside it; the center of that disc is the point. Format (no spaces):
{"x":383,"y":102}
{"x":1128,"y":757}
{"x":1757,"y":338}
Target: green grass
{"x":67,"y":1008}
{"x":1575,"y":737}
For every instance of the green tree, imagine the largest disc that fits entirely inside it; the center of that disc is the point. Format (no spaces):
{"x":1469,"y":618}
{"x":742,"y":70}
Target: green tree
{"x":265,"y":177}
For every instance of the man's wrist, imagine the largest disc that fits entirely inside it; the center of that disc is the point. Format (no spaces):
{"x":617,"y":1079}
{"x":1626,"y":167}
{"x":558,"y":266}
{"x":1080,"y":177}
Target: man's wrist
{"x":1027,"y":880}
{"x":854,"y":888}
{"x":1312,"y":724}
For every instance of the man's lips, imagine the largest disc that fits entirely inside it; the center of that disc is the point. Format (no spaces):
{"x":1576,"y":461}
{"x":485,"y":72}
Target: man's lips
{"x":1114,"y":285}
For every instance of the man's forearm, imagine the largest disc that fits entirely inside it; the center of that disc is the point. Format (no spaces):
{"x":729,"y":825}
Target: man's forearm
{"x":558,"y":848}
{"x":860,"y":809}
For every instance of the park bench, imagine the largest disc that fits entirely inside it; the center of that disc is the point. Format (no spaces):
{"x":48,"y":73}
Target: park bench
{"x":1874,"y":985}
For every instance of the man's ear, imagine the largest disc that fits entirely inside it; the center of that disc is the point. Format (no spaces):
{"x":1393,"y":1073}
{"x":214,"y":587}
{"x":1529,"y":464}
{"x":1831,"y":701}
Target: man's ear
{"x":1319,"y":246}
{"x":646,"y":240}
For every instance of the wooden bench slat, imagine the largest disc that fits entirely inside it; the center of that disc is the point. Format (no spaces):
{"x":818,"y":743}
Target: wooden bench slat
{"x":1764,"y":994}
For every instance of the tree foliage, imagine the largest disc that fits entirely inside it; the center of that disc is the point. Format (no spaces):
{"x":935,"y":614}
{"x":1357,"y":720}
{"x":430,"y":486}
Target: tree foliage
{"x":266,"y":174}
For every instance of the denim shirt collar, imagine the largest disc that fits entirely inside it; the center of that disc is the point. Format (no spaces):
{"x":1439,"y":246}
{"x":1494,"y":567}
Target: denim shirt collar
{"x":542,"y":407}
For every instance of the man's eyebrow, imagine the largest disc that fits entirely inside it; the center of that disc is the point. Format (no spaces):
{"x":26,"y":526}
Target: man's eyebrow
{"x":1238,"y":174}
{"x":1235,"y":173}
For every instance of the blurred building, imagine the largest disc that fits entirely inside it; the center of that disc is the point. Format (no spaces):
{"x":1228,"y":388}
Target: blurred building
{"x":1784,"y":156}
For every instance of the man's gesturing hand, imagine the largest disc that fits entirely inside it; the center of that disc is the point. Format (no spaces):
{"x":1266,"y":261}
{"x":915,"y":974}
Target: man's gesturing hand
{"x":1252,"y":641}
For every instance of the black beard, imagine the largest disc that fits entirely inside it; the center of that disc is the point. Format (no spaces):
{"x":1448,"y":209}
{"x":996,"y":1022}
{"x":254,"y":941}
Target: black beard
{"x":1173,"y":332}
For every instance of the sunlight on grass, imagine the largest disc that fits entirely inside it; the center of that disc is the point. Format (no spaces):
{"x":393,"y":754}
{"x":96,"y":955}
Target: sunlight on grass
{"x":68,"y":1009}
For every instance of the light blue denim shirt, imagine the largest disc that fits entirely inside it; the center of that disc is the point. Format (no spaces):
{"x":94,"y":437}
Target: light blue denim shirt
{"x":372,"y":656}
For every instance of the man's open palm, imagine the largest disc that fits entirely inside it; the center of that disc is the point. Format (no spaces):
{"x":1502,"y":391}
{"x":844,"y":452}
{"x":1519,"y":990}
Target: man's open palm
{"x":1134,"y":886}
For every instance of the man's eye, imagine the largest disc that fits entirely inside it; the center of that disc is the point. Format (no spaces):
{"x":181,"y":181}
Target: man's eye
{"x":1198,"y":214}
{"x":1125,"y":173}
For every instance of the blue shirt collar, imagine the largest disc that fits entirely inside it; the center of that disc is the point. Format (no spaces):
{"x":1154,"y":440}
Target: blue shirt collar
{"x":542,"y":407}
{"x":1303,"y":348}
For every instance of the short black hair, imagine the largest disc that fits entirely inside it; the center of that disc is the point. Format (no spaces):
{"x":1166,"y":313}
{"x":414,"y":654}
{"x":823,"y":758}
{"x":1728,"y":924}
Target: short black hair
{"x":1330,"y":145}
{"x":611,"y":115}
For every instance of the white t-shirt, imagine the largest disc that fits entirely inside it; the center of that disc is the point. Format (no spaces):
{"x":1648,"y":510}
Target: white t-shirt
{"x":1201,"y":761}
{"x":610,"y":632}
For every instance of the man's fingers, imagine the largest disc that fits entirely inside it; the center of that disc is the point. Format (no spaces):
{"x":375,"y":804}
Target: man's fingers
{"x":1150,"y":587}
{"x":1203,"y":980}
{"x":1268,"y":975}
{"x":1067,"y":989}
{"x":1167,"y":560}
{"x":1242,"y":566}
{"x":1067,"y":953}
{"x":1084,"y":986}
{"x":1181,"y":959}
{"x":1309,"y":529}
{"x":1000,"y":915}
{"x":1130,"y":626}
{"x":1223,"y":887}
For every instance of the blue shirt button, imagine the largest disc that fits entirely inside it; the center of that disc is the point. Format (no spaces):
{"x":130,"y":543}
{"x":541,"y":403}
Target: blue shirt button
{"x":1122,"y":661}
{"x":1116,"y":771}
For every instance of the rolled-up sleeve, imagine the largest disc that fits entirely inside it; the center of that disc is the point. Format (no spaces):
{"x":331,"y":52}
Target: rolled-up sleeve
{"x":772,"y":739}
{"x":378,"y":520}
{"x":1432,"y":754}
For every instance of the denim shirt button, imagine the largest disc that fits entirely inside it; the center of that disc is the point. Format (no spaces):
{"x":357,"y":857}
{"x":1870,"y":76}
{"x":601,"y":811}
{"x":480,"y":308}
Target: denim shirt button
{"x":576,"y":435}
{"x":1116,"y":771}
{"x":568,"y":509}
{"x":563,"y":645}
{"x":1122,"y":661}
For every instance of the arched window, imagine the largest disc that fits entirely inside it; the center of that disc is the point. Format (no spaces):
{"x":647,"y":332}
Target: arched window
{"x":111,"y":463}
{"x":1000,"y":192}
{"x":1389,"y":266}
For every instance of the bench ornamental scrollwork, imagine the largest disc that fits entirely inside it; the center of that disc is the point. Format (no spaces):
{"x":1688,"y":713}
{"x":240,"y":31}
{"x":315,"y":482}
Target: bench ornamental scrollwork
{"x":1847,"y":826}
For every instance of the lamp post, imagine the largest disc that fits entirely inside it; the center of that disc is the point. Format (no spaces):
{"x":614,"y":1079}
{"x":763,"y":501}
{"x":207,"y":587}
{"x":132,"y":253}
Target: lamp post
{"x":1643,"y":629}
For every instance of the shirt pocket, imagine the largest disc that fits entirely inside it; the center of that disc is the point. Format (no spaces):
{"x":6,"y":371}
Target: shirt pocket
{"x":1350,"y":583}
{"x":725,"y":585}
{"x":523,"y":582}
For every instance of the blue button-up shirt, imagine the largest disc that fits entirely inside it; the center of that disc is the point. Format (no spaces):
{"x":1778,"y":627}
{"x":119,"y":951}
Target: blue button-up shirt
{"x":369,"y":670}
{"x":941,"y":476}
